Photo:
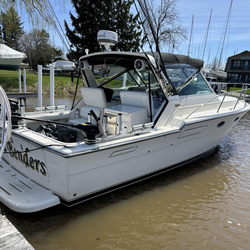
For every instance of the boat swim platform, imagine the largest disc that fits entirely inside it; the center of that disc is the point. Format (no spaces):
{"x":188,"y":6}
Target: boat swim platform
{"x":10,"y":237}
{"x":22,"y":194}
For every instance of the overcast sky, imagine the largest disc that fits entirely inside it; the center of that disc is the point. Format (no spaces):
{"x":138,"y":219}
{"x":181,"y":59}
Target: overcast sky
{"x":238,"y":33}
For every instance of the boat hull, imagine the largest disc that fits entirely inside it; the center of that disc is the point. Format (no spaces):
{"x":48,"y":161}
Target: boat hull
{"x":78,"y":175}
{"x":10,"y":63}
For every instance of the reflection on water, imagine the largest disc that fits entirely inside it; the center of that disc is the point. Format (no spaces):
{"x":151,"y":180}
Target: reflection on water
{"x":203,"y":205}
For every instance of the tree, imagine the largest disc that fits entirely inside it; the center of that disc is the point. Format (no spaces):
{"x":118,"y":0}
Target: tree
{"x":11,"y":28}
{"x":92,"y":16}
{"x":56,"y":54}
{"x":38,"y":11}
{"x":163,"y":20}
{"x":214,"y":64}
{"x":1,"y":34}
{"x":127,"y":26}
{"x":36,"y":45}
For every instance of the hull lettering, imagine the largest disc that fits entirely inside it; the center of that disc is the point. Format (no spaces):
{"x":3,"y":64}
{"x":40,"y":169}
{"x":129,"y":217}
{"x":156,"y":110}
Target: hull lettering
{"x":27,"y":160}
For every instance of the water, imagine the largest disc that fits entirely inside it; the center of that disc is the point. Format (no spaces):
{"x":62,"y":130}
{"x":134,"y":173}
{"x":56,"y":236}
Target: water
{"x":203,"y":205}
{"x":32,"y":103}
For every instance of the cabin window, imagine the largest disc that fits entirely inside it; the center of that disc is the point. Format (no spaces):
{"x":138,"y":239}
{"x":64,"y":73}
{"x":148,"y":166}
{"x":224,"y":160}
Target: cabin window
{"x":119,"y":78}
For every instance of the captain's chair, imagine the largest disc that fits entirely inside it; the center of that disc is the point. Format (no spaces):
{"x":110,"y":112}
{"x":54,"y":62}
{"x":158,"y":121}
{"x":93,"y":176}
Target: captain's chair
{"x":95,"y":99}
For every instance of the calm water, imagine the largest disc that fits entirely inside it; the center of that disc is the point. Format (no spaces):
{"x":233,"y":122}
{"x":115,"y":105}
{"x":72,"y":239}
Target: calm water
{"x":31,"y":103}
{"x":203,"y":205}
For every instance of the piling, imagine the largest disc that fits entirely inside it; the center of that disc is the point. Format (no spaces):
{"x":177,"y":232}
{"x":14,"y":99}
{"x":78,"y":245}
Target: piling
{"x":52,"y":82}
{"x":20,"y":80}
{"x":39,"y":87}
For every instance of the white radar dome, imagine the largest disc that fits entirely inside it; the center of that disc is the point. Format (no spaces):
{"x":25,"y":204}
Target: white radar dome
{"x":107,"y":38}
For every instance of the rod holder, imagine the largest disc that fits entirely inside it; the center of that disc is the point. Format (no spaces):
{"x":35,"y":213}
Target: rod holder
{"x":90,"y":118}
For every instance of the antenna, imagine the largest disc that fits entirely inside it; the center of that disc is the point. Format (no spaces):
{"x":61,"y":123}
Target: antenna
{"x":107,"y":38}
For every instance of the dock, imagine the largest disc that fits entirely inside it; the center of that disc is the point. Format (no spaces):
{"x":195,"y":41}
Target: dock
{"x":10,"y":237}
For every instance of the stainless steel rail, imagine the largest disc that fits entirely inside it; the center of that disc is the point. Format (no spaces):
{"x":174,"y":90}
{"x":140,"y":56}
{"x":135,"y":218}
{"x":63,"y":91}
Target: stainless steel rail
{"x":246,"y":98}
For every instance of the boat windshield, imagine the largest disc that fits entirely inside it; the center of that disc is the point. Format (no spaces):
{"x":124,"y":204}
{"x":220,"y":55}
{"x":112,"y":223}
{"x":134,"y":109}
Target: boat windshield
{"x":185,"y":79}
{"x":179,"y":74}
{"x":196,"y":86}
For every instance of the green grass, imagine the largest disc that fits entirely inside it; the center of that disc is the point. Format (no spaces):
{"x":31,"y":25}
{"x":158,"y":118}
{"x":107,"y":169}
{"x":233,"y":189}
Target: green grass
{"x":9,"y":81}
{"x":238,"y":90}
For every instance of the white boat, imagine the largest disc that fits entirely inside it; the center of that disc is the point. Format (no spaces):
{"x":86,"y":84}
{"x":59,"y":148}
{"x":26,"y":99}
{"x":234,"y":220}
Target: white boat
{"x":10,"y":58}
{"x":214,"y":75}
{"x":130,"y":124}
{"x":65,"y":65}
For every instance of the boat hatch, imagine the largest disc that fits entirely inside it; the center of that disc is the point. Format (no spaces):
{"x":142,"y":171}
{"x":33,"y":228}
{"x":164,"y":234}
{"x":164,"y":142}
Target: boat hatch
{"x":21,"y":194}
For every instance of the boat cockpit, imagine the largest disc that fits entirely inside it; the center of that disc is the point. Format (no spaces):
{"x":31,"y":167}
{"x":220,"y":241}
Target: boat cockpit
{"x":125,"y":92}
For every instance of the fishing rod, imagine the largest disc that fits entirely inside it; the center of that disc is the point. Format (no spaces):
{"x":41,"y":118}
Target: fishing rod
{"x":150,"y":45}
{"x":144,"y":8}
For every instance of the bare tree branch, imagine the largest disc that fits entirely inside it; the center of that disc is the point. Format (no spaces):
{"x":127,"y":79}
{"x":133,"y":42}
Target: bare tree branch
{"x":37,"y":11}
{"x":165,"y":22}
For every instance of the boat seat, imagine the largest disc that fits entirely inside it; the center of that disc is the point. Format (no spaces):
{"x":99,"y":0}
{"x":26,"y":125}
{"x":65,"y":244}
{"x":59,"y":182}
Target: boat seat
{"x":136,"y":99}
{"x":97,"y":97}
{"x":84,"y":115}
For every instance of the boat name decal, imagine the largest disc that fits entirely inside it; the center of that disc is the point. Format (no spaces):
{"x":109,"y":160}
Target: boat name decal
{"x":28,"y":161}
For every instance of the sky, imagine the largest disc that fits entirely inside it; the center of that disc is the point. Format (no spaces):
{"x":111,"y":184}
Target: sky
{"x":237,"y":37}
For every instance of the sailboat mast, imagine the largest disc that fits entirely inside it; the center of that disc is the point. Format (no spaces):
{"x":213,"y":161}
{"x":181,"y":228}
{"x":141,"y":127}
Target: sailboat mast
{"x":225,"y":33}
{"x":207,"y":34}
{"x":191,"y":35}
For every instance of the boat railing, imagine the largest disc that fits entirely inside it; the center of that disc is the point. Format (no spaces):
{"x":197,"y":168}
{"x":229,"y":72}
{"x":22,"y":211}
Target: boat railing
{"x":243,"y":93}
{"x":237,"y":93}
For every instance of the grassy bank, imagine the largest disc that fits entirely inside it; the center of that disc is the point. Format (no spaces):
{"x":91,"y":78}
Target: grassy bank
{"x":9,"y":81}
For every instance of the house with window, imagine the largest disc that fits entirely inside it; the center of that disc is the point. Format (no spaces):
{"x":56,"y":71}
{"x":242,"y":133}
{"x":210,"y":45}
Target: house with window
{"x":238,"y":67}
